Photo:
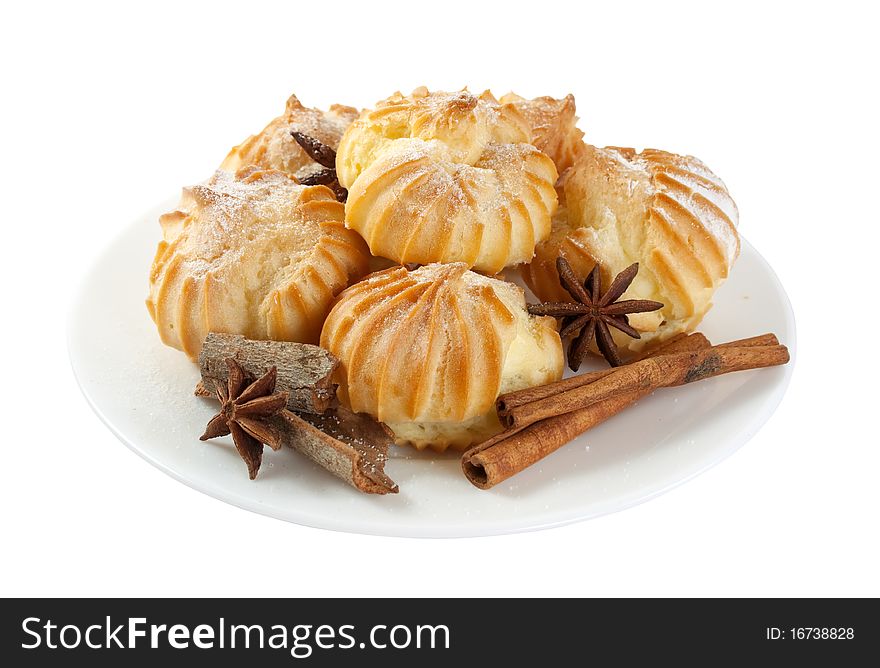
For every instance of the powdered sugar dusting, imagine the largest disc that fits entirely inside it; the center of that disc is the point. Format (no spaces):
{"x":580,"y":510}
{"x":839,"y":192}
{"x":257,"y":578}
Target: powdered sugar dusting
{"x":275,"y":148}
{"x":691,"y":184}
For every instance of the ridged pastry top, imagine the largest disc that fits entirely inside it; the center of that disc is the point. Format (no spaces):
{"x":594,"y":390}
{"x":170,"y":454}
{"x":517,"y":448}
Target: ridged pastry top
{"x":436,"y":345}
{"x":253,"y":253}
{"x":668,"y":212}
{"x":275,"y":147}
{"x":446,"y":177}
{"x":553,"y":125}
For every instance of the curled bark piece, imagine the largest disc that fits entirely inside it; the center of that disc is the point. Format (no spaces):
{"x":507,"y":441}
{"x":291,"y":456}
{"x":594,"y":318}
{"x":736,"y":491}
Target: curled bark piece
{"x":304,"y":371}
{"x":349,"y":445}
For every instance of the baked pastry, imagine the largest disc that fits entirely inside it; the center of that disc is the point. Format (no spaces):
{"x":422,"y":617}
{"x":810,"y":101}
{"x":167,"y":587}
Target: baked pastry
{"x":254,"y":253}
{"x":428,"y":351}
{"x":668,"y":212}
{"x":446,"y":177}
{"x":554,"y":127}
{"x":275,"y":147}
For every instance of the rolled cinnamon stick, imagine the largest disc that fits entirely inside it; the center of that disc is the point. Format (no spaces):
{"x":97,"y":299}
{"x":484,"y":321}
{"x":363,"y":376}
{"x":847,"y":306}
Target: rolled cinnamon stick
{"x":513,"y":451}
{"x":678,"y":344}
{"x":751,"y":342}
{"x":514,"y":455}
{"x":494,"y":461}
{"x":653,"y":372}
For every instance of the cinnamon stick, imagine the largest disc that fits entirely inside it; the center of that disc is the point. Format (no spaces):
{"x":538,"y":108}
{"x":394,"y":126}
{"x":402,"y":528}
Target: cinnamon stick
{"x":678,"y":344}
{"x":489,"y":463}
{"x":664,"y":370}
{"x":304,"y":371}
{"x":513,"y":451}
{"x":752,"y":342}
{"x":505,"y":455}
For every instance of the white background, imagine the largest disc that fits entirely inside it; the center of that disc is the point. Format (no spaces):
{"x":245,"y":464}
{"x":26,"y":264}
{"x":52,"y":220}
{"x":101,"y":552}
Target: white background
{"x":110,"y":108}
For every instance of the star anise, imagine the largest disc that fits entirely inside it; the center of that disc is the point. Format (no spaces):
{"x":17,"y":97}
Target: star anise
{"x":245,"y":406}
{"x":593,"y":312}
{"x":324,"y":156}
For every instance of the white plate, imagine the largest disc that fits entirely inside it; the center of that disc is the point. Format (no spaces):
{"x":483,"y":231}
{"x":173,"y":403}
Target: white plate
{"x":142,"y":390}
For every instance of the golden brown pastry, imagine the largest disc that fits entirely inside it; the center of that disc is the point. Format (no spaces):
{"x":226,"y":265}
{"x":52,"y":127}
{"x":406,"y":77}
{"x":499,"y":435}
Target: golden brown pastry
{"x":253,"y":253}
{"x":554,"y":127}
{"x":275,"y":148}
{"x":446,"y":177}
{"x":428,"y":351}
{"x":668,"y":212}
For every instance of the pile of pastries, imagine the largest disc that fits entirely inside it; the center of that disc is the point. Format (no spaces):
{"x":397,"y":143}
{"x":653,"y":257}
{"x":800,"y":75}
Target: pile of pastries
{"x":407,"y":281}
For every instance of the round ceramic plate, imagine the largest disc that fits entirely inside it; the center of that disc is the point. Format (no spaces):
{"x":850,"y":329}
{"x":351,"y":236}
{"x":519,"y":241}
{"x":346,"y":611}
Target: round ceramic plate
{"x":143,"y":391}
